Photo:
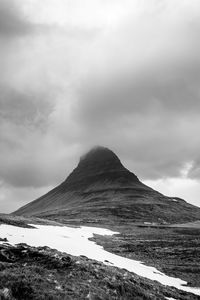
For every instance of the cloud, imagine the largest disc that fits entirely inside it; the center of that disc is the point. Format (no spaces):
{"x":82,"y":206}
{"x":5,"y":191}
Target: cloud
{"x":23,"y":108}
{"x":124,"y":76}
{"x":143,"y":97}
{"x":12,"y":21}
{"x":11,"y":198}
{"x":184,"y":188}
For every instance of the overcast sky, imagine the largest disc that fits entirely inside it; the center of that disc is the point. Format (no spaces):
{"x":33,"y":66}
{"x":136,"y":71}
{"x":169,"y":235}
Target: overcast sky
{"x":78,"y":73}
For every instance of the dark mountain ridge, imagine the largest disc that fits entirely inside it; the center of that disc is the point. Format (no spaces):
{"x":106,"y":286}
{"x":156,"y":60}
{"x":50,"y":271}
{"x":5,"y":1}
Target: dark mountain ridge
{"x":101,"y":190}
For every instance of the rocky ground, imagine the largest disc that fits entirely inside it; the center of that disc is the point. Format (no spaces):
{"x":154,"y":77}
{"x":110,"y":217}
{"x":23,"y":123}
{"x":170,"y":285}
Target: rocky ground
{"x":43,"y":273}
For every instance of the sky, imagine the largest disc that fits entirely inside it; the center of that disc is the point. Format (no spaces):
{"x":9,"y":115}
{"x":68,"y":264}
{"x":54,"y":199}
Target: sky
{"x":121,"y":74}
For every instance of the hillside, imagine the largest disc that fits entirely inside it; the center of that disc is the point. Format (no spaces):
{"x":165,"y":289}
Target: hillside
{"x":101,"y":190}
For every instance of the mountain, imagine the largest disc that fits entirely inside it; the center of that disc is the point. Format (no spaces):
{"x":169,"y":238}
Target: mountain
{"x":101,"y":190}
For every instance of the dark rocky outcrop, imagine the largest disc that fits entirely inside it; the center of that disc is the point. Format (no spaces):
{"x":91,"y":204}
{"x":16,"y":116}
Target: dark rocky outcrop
{"x":101,"y":190}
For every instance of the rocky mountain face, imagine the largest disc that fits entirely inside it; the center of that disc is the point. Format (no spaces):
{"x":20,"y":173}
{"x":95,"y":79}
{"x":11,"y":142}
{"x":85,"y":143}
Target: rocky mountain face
{"x":101,"y":190}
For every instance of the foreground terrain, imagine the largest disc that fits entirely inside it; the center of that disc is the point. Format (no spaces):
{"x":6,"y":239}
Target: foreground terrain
{"x":42,"y":273}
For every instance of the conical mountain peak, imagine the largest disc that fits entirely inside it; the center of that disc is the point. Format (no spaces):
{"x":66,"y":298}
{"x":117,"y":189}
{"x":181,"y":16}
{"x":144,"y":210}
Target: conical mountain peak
{"x":100,"y":164}
{"x":101,"y":189}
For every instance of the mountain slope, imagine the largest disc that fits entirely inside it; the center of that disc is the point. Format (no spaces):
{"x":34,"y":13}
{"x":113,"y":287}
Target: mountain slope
{"x":100,"y":189}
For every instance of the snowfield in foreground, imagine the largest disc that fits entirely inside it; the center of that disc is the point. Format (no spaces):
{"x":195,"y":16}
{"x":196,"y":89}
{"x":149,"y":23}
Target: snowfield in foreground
{"x":75,"y":241}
